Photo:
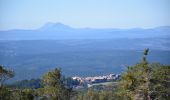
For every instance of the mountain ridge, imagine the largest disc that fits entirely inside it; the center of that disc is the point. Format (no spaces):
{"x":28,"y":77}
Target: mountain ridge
{"x":62,"y":31}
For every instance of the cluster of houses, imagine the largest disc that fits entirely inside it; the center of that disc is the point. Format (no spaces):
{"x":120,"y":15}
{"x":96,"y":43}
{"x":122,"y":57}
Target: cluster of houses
{"x":88,"y":81}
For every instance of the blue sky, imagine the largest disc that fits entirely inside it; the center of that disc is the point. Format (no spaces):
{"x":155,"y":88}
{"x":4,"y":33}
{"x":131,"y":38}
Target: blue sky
{"x":30,"y":14}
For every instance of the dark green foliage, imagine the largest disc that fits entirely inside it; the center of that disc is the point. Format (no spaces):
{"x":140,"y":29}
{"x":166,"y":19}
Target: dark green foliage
{"x":26,"y":94}
{"x":96,"y":95}
{"x":5,"y":75}
{"x":16,"y":94}
{"x":145,"y":81}
{"x":53,"y":87}
{"x":5,"y":94}
{"x":25,"y":84}
{"x":69,"y":82}
{"x":160,"y":82}
{"x":146,"y":51}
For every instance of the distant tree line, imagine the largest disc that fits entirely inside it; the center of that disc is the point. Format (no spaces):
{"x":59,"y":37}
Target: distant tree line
{"x":143,"y":81}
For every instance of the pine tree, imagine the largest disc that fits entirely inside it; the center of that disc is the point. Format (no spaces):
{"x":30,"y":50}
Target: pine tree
{"x":54,"y":89}
{"x":145,"y":81}
{"x":135,"y":81}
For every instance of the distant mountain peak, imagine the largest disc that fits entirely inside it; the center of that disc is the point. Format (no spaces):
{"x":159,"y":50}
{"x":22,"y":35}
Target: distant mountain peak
{"x":55,"y":26}
{"x":51,"y":24}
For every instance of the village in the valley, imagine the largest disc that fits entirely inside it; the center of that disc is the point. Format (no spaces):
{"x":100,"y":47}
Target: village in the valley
{"x":90,"y":81}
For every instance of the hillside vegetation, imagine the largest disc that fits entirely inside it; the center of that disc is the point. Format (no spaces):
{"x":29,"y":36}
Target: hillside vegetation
{"x":142,"y":81}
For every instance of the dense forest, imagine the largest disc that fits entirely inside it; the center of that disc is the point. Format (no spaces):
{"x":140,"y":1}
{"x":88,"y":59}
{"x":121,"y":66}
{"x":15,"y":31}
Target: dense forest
{"x":142,"y":81}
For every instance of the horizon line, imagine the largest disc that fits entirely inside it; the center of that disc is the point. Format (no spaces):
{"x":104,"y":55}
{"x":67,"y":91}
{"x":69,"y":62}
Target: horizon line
{"x":55,"y":23}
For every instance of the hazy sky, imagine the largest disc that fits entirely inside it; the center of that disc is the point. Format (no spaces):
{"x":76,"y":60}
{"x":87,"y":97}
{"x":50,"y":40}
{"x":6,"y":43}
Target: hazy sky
{"x":84,"y":13}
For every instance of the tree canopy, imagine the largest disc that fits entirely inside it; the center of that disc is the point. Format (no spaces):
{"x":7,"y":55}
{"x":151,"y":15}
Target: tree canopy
{"x":5,"y":75}
{"x":145,"y":81}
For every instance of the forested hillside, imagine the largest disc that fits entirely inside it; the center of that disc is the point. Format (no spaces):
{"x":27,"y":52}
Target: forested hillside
{"x":142,"y":81}
{"x":79,"y":57}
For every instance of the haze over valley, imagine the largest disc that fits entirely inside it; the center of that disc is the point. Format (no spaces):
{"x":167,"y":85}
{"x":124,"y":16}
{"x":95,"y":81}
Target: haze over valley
{"x":80,"y":51}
